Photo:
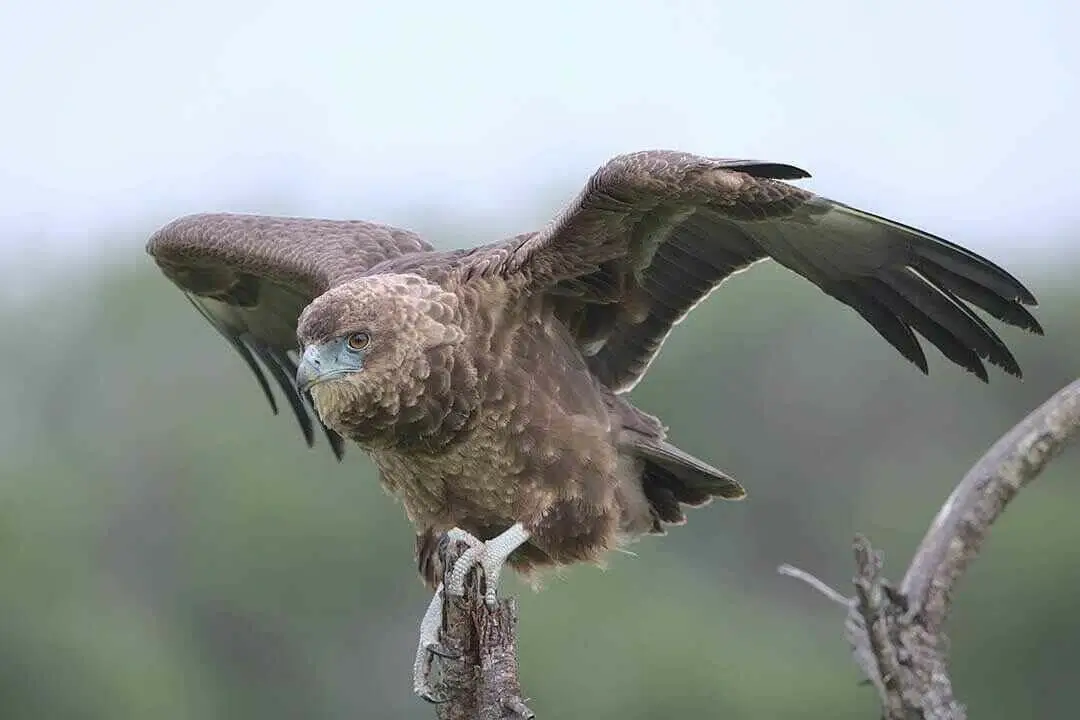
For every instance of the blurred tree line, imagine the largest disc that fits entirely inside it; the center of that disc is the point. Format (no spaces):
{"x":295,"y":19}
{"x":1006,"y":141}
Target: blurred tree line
{"x":169,"y":549}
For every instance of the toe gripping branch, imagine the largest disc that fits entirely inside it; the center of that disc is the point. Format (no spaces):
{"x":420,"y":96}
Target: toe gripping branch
{"x":474,"y":648}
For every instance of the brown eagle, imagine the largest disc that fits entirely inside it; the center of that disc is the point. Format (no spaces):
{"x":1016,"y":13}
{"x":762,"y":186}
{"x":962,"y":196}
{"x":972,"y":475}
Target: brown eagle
{"x":487,"y":384}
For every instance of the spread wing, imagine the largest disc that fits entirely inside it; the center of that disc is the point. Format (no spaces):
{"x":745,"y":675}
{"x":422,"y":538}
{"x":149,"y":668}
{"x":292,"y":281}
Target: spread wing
{"x":653,"y":233}
{"x":250,"y":276}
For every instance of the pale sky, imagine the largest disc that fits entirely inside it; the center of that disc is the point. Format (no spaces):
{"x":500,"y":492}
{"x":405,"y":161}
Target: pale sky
{"x":959,"y":117}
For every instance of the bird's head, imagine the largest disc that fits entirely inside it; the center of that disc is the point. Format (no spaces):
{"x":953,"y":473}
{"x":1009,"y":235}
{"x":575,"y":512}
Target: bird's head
{"x":369,"y":340}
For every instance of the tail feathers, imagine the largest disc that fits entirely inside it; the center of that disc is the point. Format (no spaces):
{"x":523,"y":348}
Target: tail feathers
{"x":672,"y":479}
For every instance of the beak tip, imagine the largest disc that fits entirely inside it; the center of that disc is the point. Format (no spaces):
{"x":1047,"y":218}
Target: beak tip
{"x":304,"y":379}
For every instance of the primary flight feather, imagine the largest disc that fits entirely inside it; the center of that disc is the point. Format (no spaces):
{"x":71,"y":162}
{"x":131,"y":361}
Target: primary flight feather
{"x":486,"y":384}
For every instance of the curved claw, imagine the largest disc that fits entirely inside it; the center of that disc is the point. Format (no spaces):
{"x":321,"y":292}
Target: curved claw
{"x":422,"y":678}
{"x":428,"y":648}
{"x":491,"y":598}
{"x":422,"y":674}
{"x":440,"y":650}
{"x":456,"y":534}
{"x":518,"y":707}
{"x":430,"y":695}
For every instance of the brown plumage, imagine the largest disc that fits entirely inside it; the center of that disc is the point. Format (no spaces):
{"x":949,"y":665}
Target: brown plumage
{"x":486,"y":383}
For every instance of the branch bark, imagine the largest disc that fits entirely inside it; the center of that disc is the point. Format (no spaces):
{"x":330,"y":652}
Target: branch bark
{"x":479,"y":674}
{"x":896,"y":634}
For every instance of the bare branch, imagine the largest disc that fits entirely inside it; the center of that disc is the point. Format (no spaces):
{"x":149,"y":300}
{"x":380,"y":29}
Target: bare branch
{"x":814,"y":582}
{"x":958,"y":531}
{"x":873,"y":607}
{"x":479,"y":672}
{"x":896,"y":635}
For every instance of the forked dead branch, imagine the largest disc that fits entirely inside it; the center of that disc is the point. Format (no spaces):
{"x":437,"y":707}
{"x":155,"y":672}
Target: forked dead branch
{"x":897,"y":634}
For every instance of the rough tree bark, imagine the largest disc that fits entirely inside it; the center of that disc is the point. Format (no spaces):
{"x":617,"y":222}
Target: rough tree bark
{"x":479,"y":653}
{"x":897,"y":634}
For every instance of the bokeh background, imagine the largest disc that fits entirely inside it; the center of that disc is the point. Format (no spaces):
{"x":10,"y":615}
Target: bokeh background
{"x":169,"y":549}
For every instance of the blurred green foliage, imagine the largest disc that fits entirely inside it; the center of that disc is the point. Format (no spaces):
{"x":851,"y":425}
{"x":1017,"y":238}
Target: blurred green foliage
{"x":169,"y":549}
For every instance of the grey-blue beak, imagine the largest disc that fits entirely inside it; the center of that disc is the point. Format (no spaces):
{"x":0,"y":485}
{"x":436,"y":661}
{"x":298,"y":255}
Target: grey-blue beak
{"x":329,"y":360}
{"x":309,"y":371}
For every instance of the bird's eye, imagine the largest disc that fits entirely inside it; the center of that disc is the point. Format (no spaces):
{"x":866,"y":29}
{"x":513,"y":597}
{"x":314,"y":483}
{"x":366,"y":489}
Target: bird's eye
{"x":358,"y":341}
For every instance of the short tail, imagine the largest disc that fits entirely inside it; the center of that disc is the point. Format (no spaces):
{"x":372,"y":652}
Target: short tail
{"x":673,"y":478}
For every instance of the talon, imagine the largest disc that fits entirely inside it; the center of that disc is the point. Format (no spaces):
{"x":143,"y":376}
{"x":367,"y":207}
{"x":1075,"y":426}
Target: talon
{"x":431,"y":696}
{"x":428,"y":648}
{"x":518,"y":707}
{"x":440,"y":650}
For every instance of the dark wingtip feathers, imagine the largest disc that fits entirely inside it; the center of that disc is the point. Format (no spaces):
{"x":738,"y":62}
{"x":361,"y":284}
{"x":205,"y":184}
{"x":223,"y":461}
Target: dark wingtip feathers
{"x":959,"y":275}
{"x":928,"y":292}
{"x":972,"y":267}
{"x":283,"y":369}
{"x":954,"y":317}
{"x":1008,"y":309}
{"x":241,"y":349}
{"x":337,"y":443}
{"x":768,"y":170}
{"x":881,"y":318}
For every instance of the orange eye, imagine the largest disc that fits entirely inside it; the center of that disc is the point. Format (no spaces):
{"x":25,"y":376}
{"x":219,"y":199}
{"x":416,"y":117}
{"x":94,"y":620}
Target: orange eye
{"x":358,"y":341}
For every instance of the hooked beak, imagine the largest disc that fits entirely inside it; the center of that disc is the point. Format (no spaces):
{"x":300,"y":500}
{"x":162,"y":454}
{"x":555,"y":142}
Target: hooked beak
{"x":323,"y":362}
{"x":326,"y":361}
{"x":309,"y":370}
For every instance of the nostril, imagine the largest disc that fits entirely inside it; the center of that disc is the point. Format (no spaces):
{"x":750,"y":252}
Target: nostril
{"x":312,"y":357}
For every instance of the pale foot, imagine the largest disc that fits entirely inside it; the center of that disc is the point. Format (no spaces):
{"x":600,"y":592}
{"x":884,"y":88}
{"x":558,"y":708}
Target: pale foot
{"x":428,"y":648}
{"x":490,"y":556}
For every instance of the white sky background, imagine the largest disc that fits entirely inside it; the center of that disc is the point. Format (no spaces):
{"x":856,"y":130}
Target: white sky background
{"x":960,"y":117}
